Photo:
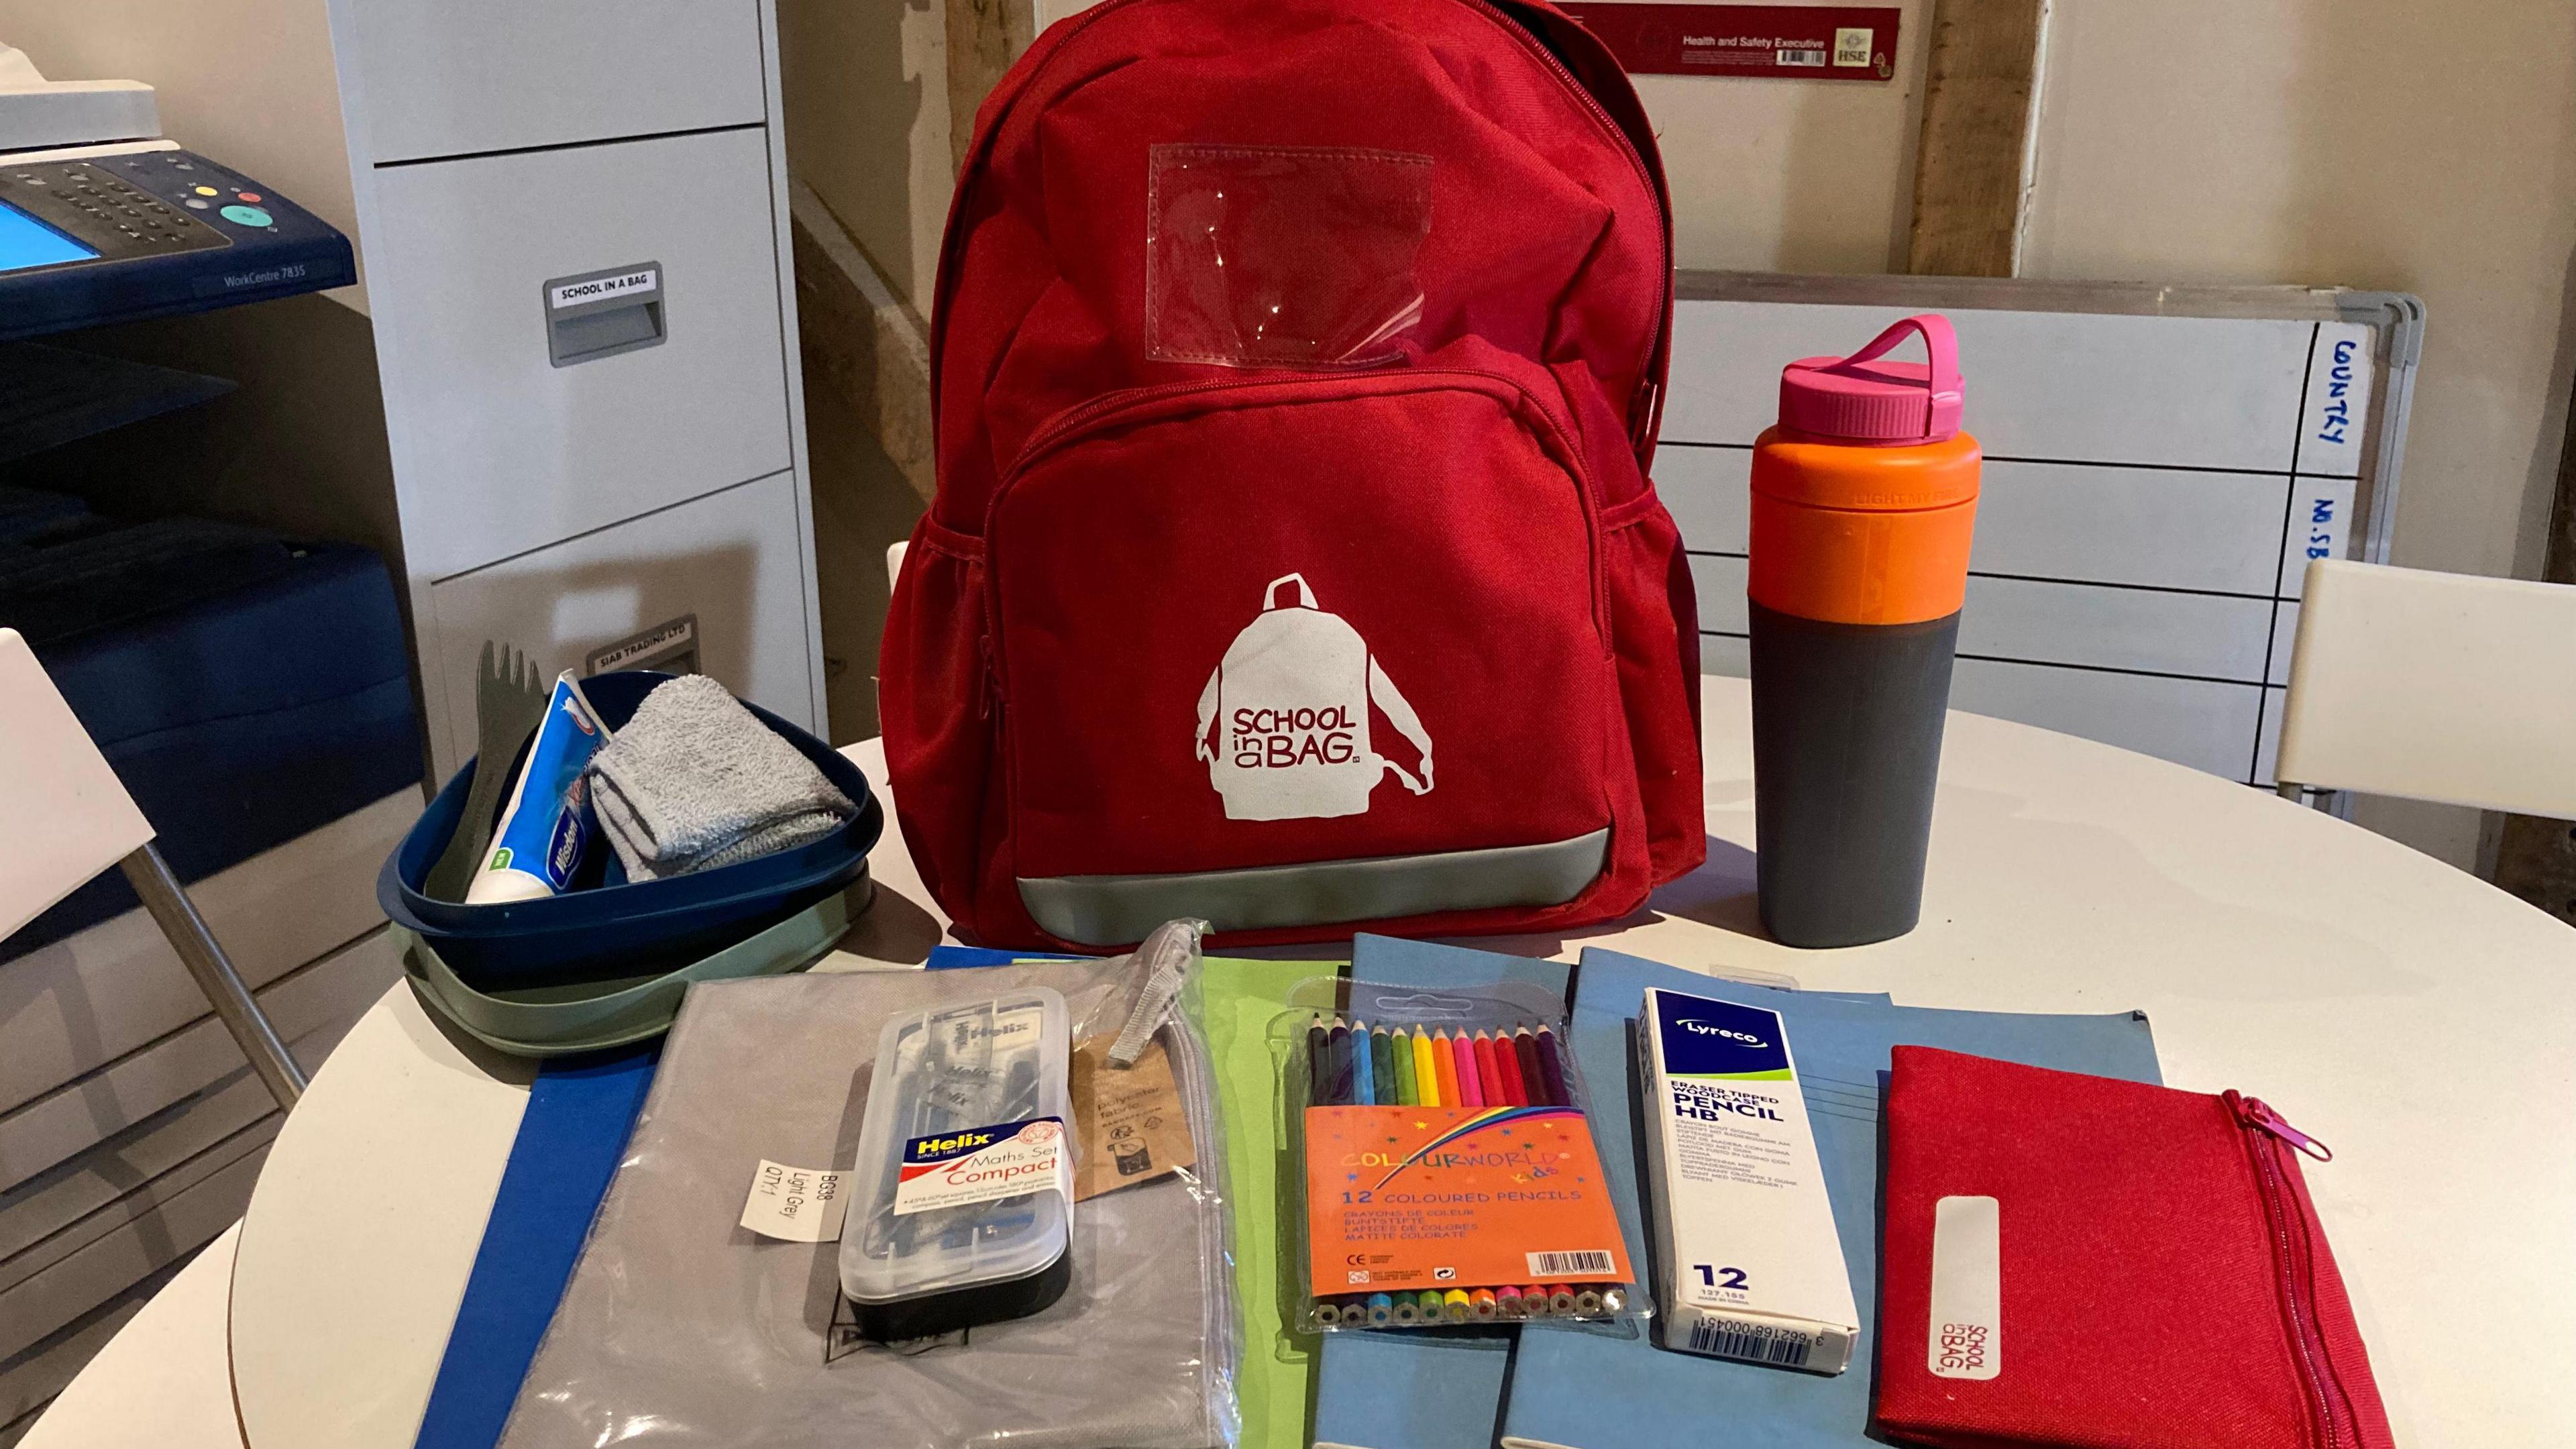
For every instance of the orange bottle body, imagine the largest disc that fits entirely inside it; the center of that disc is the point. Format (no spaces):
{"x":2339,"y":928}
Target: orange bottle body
{"x":1846,"y":533}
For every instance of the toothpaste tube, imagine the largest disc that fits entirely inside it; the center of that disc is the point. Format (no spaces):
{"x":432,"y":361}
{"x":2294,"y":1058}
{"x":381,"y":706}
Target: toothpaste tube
{"x":547,"y":826}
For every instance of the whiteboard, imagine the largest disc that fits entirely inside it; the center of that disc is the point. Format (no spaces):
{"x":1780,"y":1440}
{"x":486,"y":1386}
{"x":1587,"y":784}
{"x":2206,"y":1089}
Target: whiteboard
{"x":2161,"y":464}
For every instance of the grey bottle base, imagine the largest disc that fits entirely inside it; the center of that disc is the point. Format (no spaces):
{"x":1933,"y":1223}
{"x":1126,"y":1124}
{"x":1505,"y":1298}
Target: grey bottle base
{"x":1846,"y":749}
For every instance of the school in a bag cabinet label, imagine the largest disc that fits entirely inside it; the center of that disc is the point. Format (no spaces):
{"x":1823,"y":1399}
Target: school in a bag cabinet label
{"x":1283,"y":723}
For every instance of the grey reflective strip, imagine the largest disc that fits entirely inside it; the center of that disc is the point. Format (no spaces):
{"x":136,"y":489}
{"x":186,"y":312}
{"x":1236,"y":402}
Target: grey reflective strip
{"x":1111,"y":910}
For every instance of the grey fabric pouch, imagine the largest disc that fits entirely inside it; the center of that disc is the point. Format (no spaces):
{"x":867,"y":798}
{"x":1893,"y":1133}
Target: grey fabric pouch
{"x":681,"y":1328}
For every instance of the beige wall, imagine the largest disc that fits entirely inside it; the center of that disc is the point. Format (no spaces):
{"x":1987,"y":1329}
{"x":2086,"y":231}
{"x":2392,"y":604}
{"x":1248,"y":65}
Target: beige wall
{"x":867,"y":125}
{"x":1792,"y":175}
{"x":247,"y":82}
{"x":2368,"y":143}
{"x":2373,"y":143}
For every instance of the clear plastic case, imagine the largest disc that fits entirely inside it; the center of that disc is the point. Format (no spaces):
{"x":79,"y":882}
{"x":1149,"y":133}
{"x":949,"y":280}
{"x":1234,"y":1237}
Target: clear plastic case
{"x":681,"y":1329}
{"x":972,"y":1103}
{"x":1446,"y":1171}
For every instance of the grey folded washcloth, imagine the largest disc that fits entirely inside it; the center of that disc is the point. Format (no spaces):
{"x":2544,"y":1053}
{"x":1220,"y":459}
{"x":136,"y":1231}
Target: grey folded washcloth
{"x":695,"y":781}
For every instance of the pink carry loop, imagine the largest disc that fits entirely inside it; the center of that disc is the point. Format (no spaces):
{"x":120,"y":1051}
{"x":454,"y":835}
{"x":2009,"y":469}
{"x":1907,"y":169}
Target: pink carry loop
{"x":1858,"y":399}
{"x":1293,"y":565}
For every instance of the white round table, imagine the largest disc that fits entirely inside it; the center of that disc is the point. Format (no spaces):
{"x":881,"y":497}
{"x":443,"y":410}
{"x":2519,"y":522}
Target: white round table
{"x":2416,"y":1019}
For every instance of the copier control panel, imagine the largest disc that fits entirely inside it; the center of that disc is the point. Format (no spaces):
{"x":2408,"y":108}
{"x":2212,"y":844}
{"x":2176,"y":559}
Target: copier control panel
{"x":98,"y":238}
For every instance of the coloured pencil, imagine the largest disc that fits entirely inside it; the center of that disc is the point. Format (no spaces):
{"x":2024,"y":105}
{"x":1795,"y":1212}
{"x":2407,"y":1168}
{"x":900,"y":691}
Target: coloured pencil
{"x":1380,"y":1310}
{"x":1489,"y":1075}
{"x":1400,"y":1047}
{"x":1534,"y":1301}
{"x":1319,"y":1063}
{"x":1406,"y":1311}
{"x":1471,"y":1087}
{"x":1363,"y":1071}
{"x":1507,"y":1065}
{"x":1525,"y":1051}
{"x":1433,"y":1310}
{"x":1382,"y":1065}
{"x":1482,"y":1305}
{"x":1456,"y":1305}
{"x":1587,"y":1301}
{"x":1337,"y":1074}
{"x":1560,"y":1298}
{"x":1507,"y":1301}
{"x":1426,"y":1075}
{"x":1444,"y":1060}
{"x":1552,"y":1067}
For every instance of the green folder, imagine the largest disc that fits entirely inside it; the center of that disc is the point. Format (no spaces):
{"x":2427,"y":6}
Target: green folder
{"x":1238,"y":999}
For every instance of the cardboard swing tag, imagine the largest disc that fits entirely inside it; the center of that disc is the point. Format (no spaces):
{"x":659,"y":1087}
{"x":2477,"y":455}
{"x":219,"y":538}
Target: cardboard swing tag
{"x":1129,"y":1120}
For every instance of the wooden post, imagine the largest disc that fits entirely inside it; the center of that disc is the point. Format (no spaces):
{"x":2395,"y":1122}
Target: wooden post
{"x":1972,"y":170}
{"x":984,"y":37}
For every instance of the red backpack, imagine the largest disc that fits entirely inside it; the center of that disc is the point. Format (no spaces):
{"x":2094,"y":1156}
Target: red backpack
{"x":1296,"y":367}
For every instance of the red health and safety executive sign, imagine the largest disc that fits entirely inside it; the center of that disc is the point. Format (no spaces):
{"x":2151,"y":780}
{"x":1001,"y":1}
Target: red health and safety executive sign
{"x":1786,"y":42}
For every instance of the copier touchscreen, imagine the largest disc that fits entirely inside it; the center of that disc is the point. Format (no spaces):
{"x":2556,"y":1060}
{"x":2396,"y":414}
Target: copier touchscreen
{"x":26,"y":242}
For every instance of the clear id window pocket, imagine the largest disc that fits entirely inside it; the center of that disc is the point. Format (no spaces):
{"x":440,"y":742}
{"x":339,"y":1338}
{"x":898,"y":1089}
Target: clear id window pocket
{"x":1283,"y":256}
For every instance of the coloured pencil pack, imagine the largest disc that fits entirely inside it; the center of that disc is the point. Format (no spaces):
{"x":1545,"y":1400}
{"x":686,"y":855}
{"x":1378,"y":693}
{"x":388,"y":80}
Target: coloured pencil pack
{"x":1447,"y":1169}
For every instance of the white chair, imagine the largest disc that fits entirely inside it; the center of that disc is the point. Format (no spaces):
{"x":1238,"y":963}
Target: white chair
{"x":69,"y":818}
{"x":2433,"y":686}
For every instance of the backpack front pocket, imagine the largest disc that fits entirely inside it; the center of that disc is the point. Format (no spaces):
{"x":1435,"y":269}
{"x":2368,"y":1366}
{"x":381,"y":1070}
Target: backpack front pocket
{"x":1292,"y":651}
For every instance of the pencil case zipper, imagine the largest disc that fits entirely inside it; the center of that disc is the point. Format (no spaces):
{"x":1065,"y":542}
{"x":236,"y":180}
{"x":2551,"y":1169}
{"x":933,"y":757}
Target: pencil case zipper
{"x":1161,"y":1010}
{"x":2270,"y":1142}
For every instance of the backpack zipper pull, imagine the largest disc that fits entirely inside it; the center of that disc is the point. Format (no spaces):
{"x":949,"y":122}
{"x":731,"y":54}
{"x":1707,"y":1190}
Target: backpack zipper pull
{"x":2258,"y":1114}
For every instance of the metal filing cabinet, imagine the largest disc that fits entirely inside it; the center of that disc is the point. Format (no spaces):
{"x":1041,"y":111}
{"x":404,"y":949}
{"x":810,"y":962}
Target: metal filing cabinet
{"x":573,"y":225}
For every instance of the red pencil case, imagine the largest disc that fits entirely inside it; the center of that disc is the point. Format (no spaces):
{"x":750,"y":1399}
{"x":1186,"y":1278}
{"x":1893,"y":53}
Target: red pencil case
{"x":2075,"y":1261}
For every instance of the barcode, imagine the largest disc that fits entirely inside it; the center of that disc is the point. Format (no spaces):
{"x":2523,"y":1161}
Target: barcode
{"x":1592,"y":1262}
{"x":1780,"y":1346}
{"x":1798,"y":57}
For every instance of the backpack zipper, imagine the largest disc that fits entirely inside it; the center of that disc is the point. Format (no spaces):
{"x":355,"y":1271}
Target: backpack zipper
{"x":1073,"y":419}
{"x":2268,"y":1141}
{"x":1641,"y":408}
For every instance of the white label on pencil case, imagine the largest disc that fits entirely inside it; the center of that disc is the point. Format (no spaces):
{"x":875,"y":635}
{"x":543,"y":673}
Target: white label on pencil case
{"x":795,"y":1204}
{"x":1967,"y":1338}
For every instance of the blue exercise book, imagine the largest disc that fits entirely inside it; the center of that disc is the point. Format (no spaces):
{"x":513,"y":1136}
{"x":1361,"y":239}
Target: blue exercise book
{"x":1441,"y":1388}
{"x":1597,"y":1389}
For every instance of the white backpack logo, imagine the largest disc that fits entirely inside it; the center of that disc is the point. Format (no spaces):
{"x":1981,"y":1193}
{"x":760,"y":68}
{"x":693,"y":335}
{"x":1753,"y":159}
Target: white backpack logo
{"x":1284,"y":720}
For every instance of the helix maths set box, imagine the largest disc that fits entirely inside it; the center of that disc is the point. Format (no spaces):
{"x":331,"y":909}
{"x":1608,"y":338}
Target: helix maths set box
{"x":1749,"y":1261}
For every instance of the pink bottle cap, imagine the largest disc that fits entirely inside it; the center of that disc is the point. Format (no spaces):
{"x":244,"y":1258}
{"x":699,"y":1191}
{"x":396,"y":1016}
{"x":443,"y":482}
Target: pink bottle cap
{"x":1860,"y":399}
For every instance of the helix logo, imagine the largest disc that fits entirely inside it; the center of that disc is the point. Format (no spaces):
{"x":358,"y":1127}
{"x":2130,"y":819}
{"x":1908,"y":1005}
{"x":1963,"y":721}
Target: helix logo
{"x":1283,"y":723}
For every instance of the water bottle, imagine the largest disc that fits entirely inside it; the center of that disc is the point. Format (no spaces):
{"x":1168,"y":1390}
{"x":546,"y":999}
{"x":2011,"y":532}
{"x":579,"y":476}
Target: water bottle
{"x":1864,"y":500}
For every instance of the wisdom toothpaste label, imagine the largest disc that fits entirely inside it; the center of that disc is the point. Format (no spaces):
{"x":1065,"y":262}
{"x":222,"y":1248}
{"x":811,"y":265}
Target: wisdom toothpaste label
{"x":1751,"y":1265}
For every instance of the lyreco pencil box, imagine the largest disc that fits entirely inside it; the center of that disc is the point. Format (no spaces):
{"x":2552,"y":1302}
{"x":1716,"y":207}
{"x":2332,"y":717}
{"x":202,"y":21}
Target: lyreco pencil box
{"x":1749,"y":1264}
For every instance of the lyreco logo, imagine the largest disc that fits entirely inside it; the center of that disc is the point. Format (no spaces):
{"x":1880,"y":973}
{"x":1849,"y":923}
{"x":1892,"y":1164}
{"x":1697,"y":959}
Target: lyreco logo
{"x":1283,"y":724}
{"x":1697,"y":1027}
